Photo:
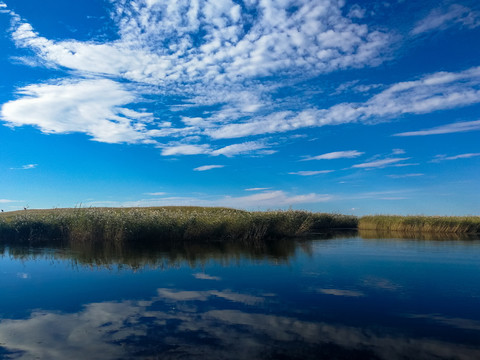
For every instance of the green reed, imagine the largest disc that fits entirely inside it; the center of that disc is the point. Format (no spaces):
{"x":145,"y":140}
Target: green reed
{"x":438,"y":224}
{"x":151,"y":225}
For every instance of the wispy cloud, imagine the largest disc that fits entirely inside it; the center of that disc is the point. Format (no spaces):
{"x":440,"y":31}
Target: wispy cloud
{"x":275,"y":198}
{"x":257,"y":189}
{"x":379,"y":163}
{"x":249,"y":147}
{"x":402,"y":176}
{"x":336,"y":155}
{"x":443,"y":18}
{"x":156,"y":193}
{"x":25,"y":167}
{"x":310,"y":173}
{"x":433,"y":92}
{"x":261,"y":200}
{"x":381,"y":195}
{"x":439,"y":158}
{"x":406,"y":164}
{"x":208,"y":167}
{"x":186,"y":149}
{"x":445,"y":129}
{"x":6,"y":201}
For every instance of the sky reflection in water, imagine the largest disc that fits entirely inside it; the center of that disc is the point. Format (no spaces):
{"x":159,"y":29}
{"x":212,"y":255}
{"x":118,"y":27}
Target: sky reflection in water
{"x":348,"y":297}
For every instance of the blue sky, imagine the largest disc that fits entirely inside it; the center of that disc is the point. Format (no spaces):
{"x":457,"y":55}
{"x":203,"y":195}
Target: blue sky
{"x":355,"y":107}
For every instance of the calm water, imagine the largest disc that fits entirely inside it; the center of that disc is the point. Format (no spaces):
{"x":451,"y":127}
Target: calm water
{"x":340,"y":298}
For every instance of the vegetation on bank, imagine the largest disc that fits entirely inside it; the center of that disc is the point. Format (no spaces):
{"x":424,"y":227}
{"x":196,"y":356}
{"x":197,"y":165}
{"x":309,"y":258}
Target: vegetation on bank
{"x":162,"y":224}
{"x":424,"y":224}
{"x":159,"y":225}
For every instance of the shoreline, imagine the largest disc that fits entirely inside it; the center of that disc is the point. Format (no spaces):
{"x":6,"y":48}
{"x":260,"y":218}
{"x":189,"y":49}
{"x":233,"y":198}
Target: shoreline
{"x":204,"y":224}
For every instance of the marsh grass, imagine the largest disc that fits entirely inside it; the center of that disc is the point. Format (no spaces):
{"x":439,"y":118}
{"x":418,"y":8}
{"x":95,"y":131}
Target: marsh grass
{"x":422,"y":224}
{"x":148,"y":226}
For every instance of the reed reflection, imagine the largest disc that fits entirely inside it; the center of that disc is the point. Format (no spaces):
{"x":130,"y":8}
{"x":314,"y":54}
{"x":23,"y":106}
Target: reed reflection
{"x":166,"y":254}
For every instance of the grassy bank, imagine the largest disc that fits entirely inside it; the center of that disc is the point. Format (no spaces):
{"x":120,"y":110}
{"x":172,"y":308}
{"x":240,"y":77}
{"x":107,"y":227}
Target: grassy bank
{"x":438,"y":224}
{"x":147,"y":226}
{"x":161,"y":224}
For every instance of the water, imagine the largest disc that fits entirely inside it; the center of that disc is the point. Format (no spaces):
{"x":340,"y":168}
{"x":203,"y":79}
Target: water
{"x":346,"y":297}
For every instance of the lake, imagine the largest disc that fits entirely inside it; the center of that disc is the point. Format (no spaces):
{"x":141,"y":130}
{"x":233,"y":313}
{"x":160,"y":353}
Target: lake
{"x":334,"y":296}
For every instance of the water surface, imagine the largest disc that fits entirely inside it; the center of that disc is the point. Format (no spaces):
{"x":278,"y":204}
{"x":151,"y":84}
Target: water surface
{"x":332,"y":297}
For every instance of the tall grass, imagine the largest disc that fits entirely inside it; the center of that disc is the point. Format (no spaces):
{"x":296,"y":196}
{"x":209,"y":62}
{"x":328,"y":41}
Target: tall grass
{"x":439,"y":224}
{"x":163,"y":224}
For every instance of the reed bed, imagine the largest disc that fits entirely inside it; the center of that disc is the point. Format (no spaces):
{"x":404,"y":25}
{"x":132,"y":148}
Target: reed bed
{"x":424,"y":224}
{"x":161,"y":224}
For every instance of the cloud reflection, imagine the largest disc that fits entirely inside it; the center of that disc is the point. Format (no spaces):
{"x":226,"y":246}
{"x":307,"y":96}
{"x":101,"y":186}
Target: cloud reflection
{"x":142,"y":329}
{"x":203,"y":276}
{"x":340,"y":292}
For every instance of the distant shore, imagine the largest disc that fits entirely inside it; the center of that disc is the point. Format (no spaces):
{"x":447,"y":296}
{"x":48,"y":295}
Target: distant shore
{"x":438,"y":224}
{"x":201,"y":224}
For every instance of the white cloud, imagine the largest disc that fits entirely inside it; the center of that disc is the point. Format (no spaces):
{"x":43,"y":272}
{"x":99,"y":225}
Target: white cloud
{"x":90,"y":106}
{"x":186,"y":150}
{"x":402,"y":176}
{"x":207,"y":53}
{"x":433,"y":92}
{"x":243,"y":148}
{"x":439,"y":158}
{"x":156,"y":193}
{"x":438,"y":91}
{"x":270,"y":199}
{"x":381,"y":195}
{"x":6,"y":201}
{"x":445,"y":129}
{"x":406,"y":164}
{"x":310,"y":173}
{"x":202,"y":52}
{"x":208,"y":167}
{"x":315,"y":37}
{"x":262,"y":200}
{"x":440,"y":19}
{"x":249,"y":147}
{"x":257,"y":189}
{"x":379,"y":163}
{"x":356,"y":12}
{"x":336,"y":155}
{"x":26,"y":167}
